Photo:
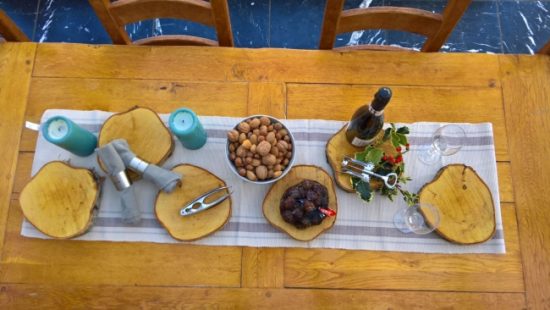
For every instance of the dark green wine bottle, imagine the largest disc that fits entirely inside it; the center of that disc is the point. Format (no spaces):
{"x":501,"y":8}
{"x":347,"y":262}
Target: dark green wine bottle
{"x":368,"y":120}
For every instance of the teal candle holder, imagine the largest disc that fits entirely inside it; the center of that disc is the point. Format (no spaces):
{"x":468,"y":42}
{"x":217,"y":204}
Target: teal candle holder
{"x":66,"y":134}
{"x":185,"y":125}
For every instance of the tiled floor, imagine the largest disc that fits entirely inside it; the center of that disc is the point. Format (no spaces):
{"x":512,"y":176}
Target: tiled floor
{"x":494,"y":26}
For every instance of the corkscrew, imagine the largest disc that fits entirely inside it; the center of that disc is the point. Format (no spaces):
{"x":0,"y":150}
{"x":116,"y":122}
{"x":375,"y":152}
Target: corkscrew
{"x":364,"y":171}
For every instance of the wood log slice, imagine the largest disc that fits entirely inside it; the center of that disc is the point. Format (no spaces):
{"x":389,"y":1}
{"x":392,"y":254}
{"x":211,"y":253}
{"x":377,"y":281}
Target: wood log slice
{"x":60,"y":201}
{"x":273,"y":199}
{"x":196,"y":182}
{"x":338,"y":146}
{"x":464,"y":202}
{"x":144,"y":131}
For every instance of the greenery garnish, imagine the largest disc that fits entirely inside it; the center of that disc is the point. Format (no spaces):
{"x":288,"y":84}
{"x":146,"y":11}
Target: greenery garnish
{"x":384,"y":164}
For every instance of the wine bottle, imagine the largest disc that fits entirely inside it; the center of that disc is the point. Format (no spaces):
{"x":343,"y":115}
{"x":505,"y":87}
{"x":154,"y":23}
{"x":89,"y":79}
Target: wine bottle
{"x":368,"y":120}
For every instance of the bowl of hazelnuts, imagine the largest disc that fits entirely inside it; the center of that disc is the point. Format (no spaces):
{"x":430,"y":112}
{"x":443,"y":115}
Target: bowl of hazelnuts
{"x":260,"y":149}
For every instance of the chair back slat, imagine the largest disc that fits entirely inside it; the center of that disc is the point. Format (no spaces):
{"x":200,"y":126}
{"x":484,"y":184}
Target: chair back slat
{"x":451,"y":16}
{"x":115,"y":15}
{"x":9,"y":30}
{"x":391,"y":18}
{"x":131,"y":11}
{"x":436,"y":27}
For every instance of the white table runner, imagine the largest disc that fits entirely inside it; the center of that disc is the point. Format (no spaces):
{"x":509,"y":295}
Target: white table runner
{"x":359,"y":226}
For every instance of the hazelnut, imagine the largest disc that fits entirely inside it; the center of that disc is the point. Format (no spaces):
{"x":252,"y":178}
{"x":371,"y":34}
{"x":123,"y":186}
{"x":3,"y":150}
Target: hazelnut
{"x":242,"y":172}
{"x":240,"y":151}
{"x":278,"y":126}
{"x":270,"y":137}
{"x":279,"y":160}
{"x":255,"y":123}
{"x":249,"y":167}
{"x":232,"y":156}
{"x":257,"y":156}
{"x":269,"y":160}
{"x":238,"y":162}
{"x":264,"y":120}
{"x":232,"y":147}
{"x":244,"y":127}
{"x":251,"y":176}
{"x":279,"y":136}
{"x":270,"y":128}
{"x":253,"y":148}
{"x":285,"y":162}
{"x":242,"y":137}
{"x":256,"y":131}
{"x":247,"y":144}
{"x":249,"y":154}
{"x":277,"y":174}
{"x":248,"y":160}
{"x":270,"y":174}
{"x":287,"y":138}
{"x":288,"y":155}
{"x":254,"y":139}
{"x":233,"y":135}
{"x":261,"y":138}
{"x":261,"y":172}
{"x":263,"y":130}
{"x":256,"y":162}
{"x":263,"y":148}
{"x":278,"y":167}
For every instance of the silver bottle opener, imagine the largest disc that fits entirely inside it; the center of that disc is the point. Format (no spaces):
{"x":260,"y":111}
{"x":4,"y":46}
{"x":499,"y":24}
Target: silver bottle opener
{"x":364,"y":171}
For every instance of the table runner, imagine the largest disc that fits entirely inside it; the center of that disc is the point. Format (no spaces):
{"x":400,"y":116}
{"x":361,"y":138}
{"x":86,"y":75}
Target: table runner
{"x":359,"y":226}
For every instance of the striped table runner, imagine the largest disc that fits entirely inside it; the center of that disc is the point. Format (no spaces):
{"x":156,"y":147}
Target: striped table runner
{"x":359,"y":226}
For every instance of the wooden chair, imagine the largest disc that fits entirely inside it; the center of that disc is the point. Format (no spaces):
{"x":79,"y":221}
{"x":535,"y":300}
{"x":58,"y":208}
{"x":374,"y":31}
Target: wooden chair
{"x":545,"y":49}
{"x":115,"y":15}
{"x":436,"y":27}
{"x":9,"y":31}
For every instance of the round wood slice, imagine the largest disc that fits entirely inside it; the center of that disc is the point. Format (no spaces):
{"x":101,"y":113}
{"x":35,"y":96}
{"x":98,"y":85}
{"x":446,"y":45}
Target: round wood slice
{"x":338,"y":147}
{"x":147,"y":136}
{"x":60,"y":200}
{"x":196,"y":182}
{"x":465,"y":205}
{"x":273,"y":198}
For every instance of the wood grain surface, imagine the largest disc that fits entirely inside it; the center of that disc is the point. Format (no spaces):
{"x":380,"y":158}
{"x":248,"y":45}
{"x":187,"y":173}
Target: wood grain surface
{"x":466,"y":211}
{"x":526,"y":94}
{"x":94,"y":297}
{"x":197,"y":181}
{"x":16,"y":63}
{"x":60,"y":200}
{"x":510,"y":92}
{"x":265,"y":65}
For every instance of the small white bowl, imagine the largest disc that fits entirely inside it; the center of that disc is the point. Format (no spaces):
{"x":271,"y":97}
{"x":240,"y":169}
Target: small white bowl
{"x":290,"y":162}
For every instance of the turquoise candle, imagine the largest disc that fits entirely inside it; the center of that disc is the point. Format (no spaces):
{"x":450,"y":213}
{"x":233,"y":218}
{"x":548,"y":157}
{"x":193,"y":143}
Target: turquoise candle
{"x":64,"y":133}
{"x":185,"y":124}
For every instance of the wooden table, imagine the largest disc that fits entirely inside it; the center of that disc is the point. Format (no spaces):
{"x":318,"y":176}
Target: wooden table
{"x":512,"y":92}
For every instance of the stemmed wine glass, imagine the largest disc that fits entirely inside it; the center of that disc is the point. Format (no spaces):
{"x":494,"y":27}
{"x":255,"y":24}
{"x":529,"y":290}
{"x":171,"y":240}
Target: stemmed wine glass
{"x":421,"y":219}
{"x":446,"y":141}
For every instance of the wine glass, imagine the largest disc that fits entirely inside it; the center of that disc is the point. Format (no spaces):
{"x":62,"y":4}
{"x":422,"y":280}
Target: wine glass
{"x":446,"y":141}
{"x":421,"y":219}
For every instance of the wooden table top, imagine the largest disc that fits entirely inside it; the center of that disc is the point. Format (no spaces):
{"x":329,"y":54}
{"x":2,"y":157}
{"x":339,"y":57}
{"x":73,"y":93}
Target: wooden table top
{"x":511,"y":92}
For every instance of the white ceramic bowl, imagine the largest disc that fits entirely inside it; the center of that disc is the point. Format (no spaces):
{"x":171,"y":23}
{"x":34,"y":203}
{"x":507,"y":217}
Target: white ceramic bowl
{"x":290,"y":162}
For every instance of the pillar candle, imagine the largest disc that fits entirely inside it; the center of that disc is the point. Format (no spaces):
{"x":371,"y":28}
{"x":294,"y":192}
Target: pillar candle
{"x":64,"y":133}
{"x":185,"y":124}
